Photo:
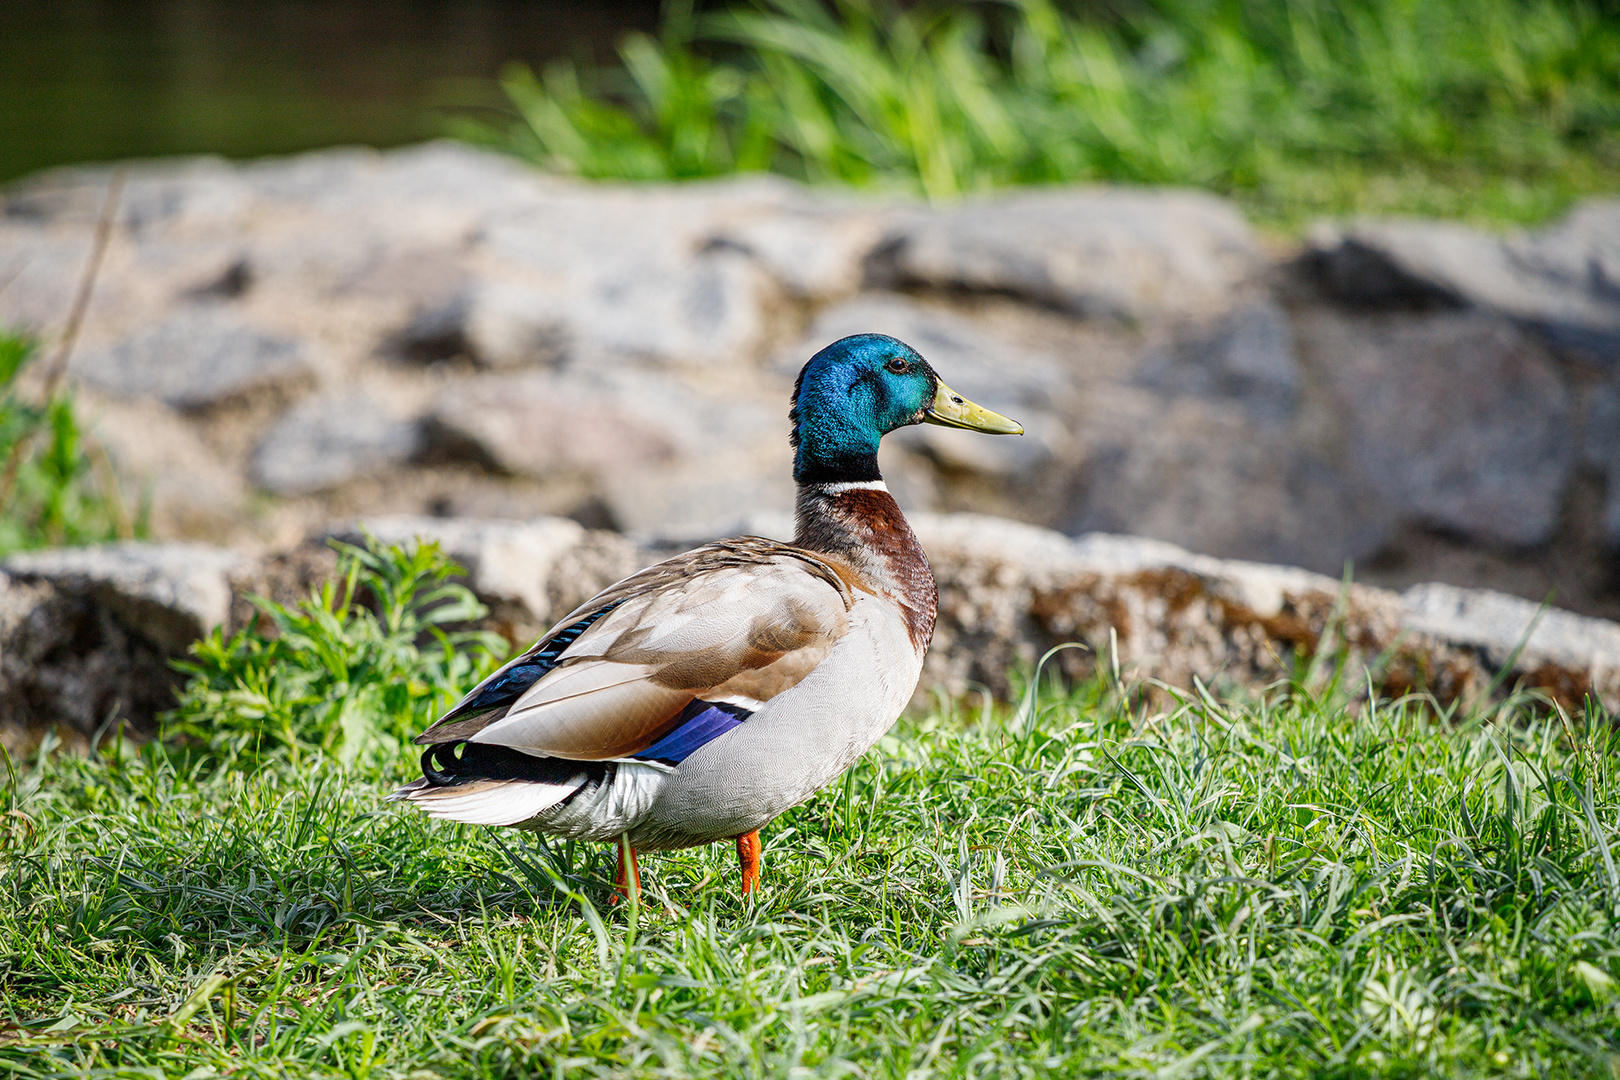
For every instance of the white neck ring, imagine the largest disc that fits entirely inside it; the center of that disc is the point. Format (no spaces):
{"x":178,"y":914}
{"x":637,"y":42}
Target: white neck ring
{"x":852,"y":485}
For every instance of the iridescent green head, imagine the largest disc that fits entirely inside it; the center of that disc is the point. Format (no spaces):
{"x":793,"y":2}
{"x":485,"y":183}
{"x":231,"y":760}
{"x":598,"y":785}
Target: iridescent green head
{"x":860,"y":388}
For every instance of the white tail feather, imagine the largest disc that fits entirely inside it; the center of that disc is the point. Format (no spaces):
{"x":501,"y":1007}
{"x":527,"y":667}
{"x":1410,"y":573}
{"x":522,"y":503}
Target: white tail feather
{"x":488,"y":802}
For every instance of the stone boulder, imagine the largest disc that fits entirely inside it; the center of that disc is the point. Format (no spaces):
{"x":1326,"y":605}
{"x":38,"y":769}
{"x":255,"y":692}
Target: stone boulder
{"x":327,"y":440}
{"x":1600,"y":452}
{"x":1209,"y":475}
{"x":662,"y":455}
{"x":170,"y":594}
{"x":1563,"y":281}
{"x":68,"y":663}
{"x":1459,"y":421}
{"x":1246,"y":357}
{"x":1098,"y":252}
{"x":87,"y":635}
{"x":815,"y":252}
{"x":190,"y":489}
{"x":1153,"y":611}
{"x":200,"y":356}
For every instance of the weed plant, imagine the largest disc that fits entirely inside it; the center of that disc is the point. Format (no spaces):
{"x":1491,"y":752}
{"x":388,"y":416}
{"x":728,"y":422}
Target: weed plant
{"x":1087,"y":884}
{"x":350,"y":671}
{"x":51,"y":489}
{"x":1494,"y":110}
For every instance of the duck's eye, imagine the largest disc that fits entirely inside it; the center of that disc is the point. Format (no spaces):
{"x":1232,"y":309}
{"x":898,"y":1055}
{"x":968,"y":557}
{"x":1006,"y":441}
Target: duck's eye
{"x":898,"y":366}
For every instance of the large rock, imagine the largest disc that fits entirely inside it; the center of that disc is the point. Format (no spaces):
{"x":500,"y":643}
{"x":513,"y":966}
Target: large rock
{"x":1561,"y":281}
{"x":324,"y":441}
{"x":540,"y":423}
{"x":700,"y":496}
{"x":594,"y":275}
{"x":1009,"y":592}
{"x":814,"y":252}
{"x":1097,"y":252}
{"x":88,"y":635}
{"x":67,"y":662}
{"x":1246,"y":357}
{"x":1210,"y":475}
{"x":1601,"y":452}
{"x":201,"y":355}
{"x":704,"y":309}
{"x":188,"y":491}
{"x":663,"y":455}
{"x":1460,"y":421}
{"x":170,"y":594}
{"x":1501,"y":626}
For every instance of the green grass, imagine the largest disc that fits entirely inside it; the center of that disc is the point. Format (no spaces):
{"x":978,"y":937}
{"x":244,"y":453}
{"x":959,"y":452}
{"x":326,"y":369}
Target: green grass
{"x":1091,"y":886}
{"x":56,"y":486}
{"x":350,"y":671}
{"x":1490,"y":110}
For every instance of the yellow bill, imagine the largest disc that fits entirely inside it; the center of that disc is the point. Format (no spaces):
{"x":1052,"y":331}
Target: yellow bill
{"x":951,"y":409}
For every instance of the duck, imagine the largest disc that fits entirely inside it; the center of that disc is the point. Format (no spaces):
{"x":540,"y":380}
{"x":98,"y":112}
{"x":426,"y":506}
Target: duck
{"x":696,"y":700}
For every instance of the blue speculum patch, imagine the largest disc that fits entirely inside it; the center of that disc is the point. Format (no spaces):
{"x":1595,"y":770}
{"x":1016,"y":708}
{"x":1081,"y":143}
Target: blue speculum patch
{"x":700,"y":723}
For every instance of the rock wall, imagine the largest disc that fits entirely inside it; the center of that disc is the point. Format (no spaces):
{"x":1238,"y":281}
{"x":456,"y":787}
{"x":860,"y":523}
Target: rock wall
{"x":438,"y":331}
{"x":86,"y":635}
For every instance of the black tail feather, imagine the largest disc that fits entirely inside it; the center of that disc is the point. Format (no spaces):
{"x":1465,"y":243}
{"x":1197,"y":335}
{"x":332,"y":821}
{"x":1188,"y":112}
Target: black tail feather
{"x":443,"y":765}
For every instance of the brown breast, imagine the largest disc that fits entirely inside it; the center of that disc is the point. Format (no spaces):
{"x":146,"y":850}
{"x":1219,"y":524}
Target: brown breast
{"x":863,"y":527}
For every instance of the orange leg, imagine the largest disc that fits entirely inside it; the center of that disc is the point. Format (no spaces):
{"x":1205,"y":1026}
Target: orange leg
{"x":622,"y":879}
{"x":748,"y":859}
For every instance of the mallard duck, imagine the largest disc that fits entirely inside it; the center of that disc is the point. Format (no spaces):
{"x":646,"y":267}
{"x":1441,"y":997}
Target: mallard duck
{"x":696,"y":700}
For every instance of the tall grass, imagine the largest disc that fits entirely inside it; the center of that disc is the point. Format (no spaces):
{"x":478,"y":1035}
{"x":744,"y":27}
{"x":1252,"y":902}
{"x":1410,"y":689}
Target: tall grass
{"x":1495,"y":109}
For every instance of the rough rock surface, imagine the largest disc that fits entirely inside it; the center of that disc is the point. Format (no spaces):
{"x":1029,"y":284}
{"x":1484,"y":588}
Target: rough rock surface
{"x":1096,"y":252}
{"x":85,"y":641}
{"x":86,"y":635}
{"x":198,"y":357}
{"x":169,"y":594}
{"x":440,"y":331}
{"x":324,"y":441}
{"x":1561,"y":280}
{"x":1154,"y":611}
{"x":1459,"y":421}
{"x":67,"y":662}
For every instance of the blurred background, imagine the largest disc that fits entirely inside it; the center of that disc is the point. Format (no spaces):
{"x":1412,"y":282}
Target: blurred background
{"x":1349,"y":294}
{"x":101,"y":80}
{"x":1490,"y":110}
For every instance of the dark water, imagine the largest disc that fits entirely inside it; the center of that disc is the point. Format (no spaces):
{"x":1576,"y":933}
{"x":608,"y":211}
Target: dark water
{"x":96,"y":80}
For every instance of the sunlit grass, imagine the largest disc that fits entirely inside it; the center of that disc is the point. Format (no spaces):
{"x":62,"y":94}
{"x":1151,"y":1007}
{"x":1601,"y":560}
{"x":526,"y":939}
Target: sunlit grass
{"x":1286,"y":888}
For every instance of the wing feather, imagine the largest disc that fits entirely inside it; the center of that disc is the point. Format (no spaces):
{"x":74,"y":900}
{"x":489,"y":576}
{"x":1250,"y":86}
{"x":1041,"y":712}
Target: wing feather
{"x":605,"y":711}
{"x":743,"y":619}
